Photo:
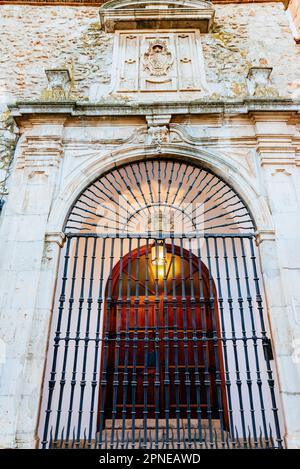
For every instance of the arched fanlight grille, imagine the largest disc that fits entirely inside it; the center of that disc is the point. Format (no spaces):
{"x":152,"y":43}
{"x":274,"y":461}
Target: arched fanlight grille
{"x":159,"y":196}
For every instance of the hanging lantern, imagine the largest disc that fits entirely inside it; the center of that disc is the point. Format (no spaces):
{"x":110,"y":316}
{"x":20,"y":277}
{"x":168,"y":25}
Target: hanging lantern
{"x":158,"y":257}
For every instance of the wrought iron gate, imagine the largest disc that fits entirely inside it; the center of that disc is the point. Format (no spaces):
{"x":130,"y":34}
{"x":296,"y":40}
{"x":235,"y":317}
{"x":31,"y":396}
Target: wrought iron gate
{"x":160,"y":337}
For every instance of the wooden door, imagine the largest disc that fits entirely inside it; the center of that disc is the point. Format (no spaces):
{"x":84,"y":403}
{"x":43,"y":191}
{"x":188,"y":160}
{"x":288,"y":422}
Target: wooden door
{"x":162,"y":356}
{"x":176,"y":357}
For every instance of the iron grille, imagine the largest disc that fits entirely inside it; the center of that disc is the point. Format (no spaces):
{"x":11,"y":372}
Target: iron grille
{"x":160,"y":338}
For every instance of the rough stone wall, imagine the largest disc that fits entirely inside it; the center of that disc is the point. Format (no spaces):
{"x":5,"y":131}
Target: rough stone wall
{"x":36,"y":38}
{"x":294,"y":11}
{"x":8,"y":139}
{"x":247,"y":35}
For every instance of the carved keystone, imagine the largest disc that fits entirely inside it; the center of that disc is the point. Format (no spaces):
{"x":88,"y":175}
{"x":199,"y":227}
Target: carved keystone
{"x":158,"y":129}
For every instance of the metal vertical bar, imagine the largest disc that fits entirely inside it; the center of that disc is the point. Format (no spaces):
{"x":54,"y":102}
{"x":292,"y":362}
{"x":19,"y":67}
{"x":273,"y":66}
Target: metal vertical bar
{"x":67,"y":340}
{"x":166,"y":345}
{"x":255,"y":346}
{"x":234,"y":342}
{"x":224,"y":341}
{"x":271,"y":382}
{"x":118,"y":346}
{"x":215,"y":339}
{"x":97,"y":343}
{"x":103,"y":382}
{"x":127,"y":344}
{"x":159,"y":182}
{"x":135,"y":341}
{"x":146,"y":349}
{"x":245,"y":342}
{"x":175,"y":346}
{"x":195,"y":344}
{"x":180,"y":184}
{"x":205,"y":345}
{"x":157,"y":362}
{"x":86,"y":341}
{"x":170,"y":181}
{"x":185,"y":347}
{"x":148,"y":182}
{"x":52,"y":380}
{"x":77,"y":340}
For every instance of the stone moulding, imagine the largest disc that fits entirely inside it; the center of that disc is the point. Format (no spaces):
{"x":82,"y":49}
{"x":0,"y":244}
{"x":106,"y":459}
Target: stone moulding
{"x":76,"y":109}
{"x":156,"y":14}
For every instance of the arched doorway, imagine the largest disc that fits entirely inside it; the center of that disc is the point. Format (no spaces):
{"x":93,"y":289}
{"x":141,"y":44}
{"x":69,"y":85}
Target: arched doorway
{"x":159,"y":334}
{"x":168,"y":338}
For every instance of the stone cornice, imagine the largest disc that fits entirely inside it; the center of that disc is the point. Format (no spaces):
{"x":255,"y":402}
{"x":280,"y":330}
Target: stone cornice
{"x":73,"y":109}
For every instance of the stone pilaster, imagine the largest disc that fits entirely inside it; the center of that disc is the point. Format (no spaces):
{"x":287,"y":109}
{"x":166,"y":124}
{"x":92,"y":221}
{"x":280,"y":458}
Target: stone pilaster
{"x":23,"y":265}
{"x":280,"y":256}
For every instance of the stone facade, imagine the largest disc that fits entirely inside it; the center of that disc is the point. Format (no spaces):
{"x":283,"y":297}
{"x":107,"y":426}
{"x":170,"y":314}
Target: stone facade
{"x":244,"y":126}
{"x":35,"y":39}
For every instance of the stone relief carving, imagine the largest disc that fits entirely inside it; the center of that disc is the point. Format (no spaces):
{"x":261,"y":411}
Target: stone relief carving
{"x":149,"y":63}
{"x":158,"y":135}
{"x":158,"y":59}
{"x":59,"y":84}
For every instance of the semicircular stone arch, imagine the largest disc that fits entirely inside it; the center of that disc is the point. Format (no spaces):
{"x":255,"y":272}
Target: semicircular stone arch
{"x":159,"y":195}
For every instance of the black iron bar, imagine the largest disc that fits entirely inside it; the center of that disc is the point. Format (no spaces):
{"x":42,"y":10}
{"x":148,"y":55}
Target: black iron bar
{"x":66,"y":348}
{"x":159,"y":182}
{"x":215,"y":342}
{"x":255,"y":340}
{"x":170,"y":181}
{"x":112,"y":198}
{"x":52,"y":380}
{"x":189,"y":185}
{"x":98,"y":341}
{"x":195,"y":340}
{"x":140,"y":193}
{"x":126,"y":345}
{"x":86,"y":340}
{"x":77,"y":342}
{"x":179,"y":186}
{"x":156,"y":345}
{"x":166,"y":380}
{"x":187,"y":379}
{"x":149,"y":182}
{"x":175,"y":343}
{"x":103,"y":380}
{"x":146,"y":347}
{"x":224,"y":341}
{"x":135,"y":343}
{"x":158,"y":235}
{"x":245,"y":342}
{"x":234,"y":342}
{"x":205,"y":345}
{"x":117,"y":347}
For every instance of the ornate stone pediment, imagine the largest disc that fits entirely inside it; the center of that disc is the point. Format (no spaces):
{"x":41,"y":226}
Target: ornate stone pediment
{"x":156,"y":14}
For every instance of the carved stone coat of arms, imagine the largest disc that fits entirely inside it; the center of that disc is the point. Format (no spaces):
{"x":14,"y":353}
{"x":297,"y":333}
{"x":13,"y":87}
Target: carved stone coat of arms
{"x":158,"y":59}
